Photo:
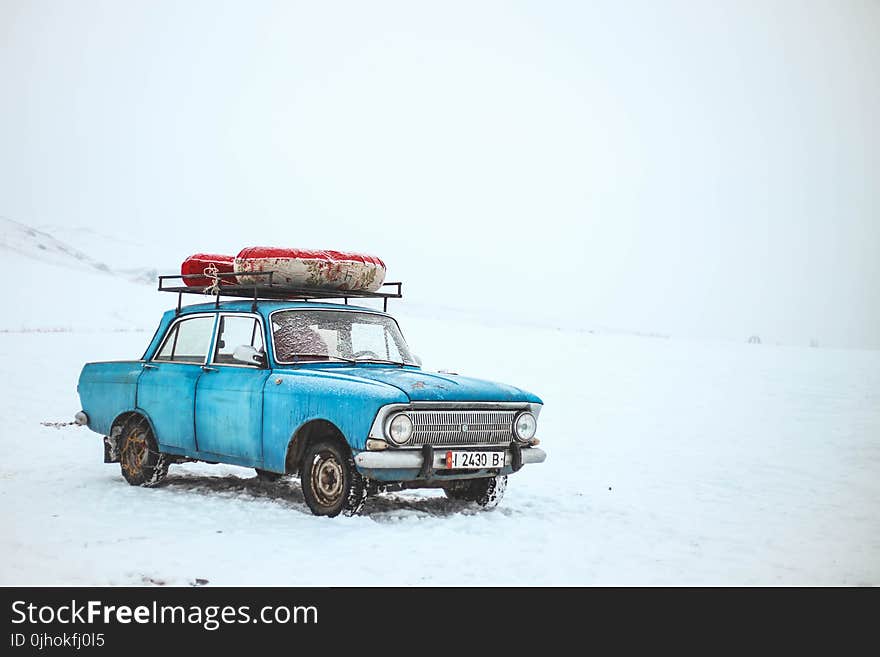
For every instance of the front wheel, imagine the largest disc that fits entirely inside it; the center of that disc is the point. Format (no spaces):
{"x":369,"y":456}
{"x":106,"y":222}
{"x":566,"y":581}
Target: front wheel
{"x":487,"y":492}
{"x":330,"y":482}
{"x":139,"y":457}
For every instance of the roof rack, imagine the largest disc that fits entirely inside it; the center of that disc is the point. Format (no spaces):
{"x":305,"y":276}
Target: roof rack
{"x":267,"y":290}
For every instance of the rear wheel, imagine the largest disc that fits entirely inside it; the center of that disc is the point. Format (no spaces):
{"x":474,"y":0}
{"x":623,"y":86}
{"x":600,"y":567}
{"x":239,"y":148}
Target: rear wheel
{"x":141,"y":461}
{"x":330,"y":482}
{"x":487,"y":492}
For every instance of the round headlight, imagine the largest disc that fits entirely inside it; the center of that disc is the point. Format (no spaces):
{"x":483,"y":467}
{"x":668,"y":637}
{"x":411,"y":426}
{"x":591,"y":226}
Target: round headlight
{"x":525,"y":426}
{"x":400,"y":429}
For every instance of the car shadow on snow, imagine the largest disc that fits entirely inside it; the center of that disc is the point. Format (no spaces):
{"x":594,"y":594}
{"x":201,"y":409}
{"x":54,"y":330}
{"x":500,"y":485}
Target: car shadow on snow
{"x":285,"y":491}
{"x":386,"y":507}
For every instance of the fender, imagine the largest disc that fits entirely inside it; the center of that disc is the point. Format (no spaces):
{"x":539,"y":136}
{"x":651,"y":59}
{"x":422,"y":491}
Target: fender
{"x":106,"y":387}
{"x":111,"y":440}
{"x":303,"y":435}
{"x":293,"y":399}
{"x":143,"y":414}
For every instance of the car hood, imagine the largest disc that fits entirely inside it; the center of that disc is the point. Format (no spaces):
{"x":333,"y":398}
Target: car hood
{"x":419,"y":385}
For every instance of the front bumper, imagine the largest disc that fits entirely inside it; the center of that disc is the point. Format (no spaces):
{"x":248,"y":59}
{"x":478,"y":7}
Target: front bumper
{"x":426,"y":464}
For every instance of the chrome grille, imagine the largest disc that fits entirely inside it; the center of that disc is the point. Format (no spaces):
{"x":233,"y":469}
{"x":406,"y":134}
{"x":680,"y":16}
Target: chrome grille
{"x":490,"y":427}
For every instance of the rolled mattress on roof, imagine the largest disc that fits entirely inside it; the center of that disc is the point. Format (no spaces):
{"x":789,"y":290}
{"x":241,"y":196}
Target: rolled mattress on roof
{"x":334,"y":270}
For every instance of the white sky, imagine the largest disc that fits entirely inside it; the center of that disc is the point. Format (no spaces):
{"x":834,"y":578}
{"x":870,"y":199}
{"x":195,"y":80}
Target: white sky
{"x":693,"y":168}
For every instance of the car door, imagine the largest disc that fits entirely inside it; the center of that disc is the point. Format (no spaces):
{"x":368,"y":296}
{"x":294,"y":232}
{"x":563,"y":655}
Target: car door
{"x":167,"y":385}
{"x":229,"y":395}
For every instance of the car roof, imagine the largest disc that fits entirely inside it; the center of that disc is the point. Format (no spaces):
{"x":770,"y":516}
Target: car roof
{"x":266,"y":307}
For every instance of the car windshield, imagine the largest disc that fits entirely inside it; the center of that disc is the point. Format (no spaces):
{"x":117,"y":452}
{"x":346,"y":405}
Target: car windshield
{"x":324,"y":335}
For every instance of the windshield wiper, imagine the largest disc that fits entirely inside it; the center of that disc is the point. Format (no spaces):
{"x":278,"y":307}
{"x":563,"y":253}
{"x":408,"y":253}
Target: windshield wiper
{"x":296,"y":357}
{"x":379,"y":360}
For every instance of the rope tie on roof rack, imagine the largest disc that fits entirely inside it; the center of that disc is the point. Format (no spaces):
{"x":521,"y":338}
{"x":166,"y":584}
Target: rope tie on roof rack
{"x":211,"y":272}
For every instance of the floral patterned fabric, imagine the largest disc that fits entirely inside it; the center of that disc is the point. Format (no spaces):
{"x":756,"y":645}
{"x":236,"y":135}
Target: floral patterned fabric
{"x":311,"y":268}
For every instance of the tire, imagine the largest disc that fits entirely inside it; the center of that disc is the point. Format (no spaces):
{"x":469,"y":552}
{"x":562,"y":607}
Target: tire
{"x":140,"y":460}
{"x":487,"y":492}
{"x":267,"y":476}
{"x":330,"y":482}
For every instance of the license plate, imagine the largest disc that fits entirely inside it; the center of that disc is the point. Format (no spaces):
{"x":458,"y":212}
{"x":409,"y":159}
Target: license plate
{"x":474,"y":460}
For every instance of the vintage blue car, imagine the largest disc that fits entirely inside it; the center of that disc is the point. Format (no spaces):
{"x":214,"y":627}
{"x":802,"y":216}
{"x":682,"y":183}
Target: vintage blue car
{"x":328,"y":391}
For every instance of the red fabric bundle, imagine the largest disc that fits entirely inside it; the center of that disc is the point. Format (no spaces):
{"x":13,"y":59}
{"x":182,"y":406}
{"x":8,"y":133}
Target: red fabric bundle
{"x":196,"y":264}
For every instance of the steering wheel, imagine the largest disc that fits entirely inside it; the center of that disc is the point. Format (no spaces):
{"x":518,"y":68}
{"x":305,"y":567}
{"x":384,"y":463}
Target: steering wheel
{"x":366,"y":352}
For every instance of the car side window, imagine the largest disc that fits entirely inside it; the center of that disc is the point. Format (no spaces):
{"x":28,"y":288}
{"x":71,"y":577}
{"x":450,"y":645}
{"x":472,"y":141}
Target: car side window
{"x":235,"y":332}
{"x":188,"y":341}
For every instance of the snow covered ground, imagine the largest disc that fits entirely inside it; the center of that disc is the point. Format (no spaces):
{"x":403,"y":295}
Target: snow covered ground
{"x":670,"y":462}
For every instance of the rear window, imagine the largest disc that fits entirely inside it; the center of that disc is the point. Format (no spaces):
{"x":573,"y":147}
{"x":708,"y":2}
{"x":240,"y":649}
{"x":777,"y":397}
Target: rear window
{"x":187,"y":341}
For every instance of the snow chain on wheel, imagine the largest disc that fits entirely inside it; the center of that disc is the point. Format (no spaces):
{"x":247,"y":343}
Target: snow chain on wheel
{"x":141,"y":461}
{"x":357,"y":495}
{"x":487,"y":492}
{"x":490,"y":495}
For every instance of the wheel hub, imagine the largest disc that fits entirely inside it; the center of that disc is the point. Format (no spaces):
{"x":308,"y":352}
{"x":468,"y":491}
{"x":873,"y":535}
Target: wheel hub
{"x":327,"y":479}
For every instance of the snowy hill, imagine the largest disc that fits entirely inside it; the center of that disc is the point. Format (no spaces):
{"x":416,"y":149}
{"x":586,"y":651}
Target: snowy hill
{"x":669,"y":461}
{"x":38,"y":245}
{"x":62,"y":288}
{"x":132,"y":257}
{"x":76,"y":247}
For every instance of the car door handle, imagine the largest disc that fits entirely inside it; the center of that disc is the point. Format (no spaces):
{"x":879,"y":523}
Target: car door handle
{"x":147,"y":366}
{"x":208,"y":369}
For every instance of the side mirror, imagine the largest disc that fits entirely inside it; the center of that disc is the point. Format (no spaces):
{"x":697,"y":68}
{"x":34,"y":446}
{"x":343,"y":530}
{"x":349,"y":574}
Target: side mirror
{"x":245,"y":353}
